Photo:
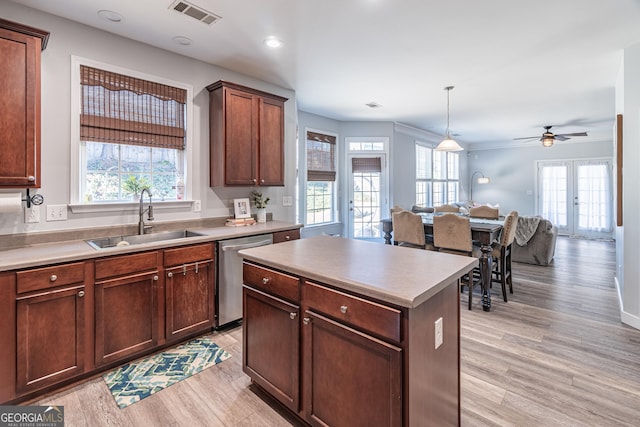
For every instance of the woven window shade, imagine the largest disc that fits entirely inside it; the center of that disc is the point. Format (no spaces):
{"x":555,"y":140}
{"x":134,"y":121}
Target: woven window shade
{"x":121,"y":109}
{"x":321,"y":157}
{"x":366,"y":164}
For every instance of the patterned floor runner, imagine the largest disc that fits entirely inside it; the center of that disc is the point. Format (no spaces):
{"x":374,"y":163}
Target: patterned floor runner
{"x":134,"y":381}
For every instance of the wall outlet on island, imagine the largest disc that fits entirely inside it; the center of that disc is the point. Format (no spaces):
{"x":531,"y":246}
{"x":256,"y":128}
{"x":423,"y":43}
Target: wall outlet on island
{"x":438,"y":334}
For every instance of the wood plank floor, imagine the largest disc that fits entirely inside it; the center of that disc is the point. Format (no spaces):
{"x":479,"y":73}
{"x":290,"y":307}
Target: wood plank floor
{"x":555,"y":355}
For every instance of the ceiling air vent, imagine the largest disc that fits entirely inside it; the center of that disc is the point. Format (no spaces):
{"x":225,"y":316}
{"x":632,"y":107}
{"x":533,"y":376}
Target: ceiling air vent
{"x":195,"y":12}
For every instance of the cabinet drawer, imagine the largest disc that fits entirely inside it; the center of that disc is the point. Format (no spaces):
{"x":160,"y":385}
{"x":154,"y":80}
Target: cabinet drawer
{"x":126,"y":264}
{"x":370,"y":316}
{"x":185,"y":255}
{"x":280,"y":284}
{"x":49,"y":277}
{"x":285,"y":236}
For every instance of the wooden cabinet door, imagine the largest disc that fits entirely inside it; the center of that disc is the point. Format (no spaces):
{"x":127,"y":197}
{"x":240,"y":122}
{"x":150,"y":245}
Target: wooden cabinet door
{"x":270,"y":353}
{"x":189,"y":299}
{"x":350,"y":378}
{"x":19,"y":110}
{"x":271,"y":154}
{"x":50,"y":337}
{"x":240,"y":138}
{"x":126,"y":316}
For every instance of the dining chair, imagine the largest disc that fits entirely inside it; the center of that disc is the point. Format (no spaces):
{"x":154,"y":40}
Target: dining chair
{"x":486,"y":212}
{"x":394,"y":209}
{"x":452,"y":234}
{"x":447,"y":208}
{"x":501,"y":254}
{"x":421,"y":209}
{"x":408,"y":230}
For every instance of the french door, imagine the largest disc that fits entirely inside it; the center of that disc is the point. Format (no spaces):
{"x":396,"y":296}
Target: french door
{"x":576,"y":196}
{"x":367,"y":195}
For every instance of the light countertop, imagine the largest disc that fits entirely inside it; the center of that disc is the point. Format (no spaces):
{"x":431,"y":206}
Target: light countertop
{"x":402,"y":276}
{"x":75,"y":250}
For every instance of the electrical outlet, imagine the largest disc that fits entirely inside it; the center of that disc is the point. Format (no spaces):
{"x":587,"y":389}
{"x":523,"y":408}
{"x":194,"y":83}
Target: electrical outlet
{"x":438,"y":332}
{"x":32,"y":214}
{"x":287,"y":201}
{"x":197,"y":206}
{"x":56,"y":212}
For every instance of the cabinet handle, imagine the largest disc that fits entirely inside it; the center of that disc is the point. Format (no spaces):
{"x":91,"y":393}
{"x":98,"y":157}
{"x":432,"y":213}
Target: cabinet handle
{"x":155,"y":278}
{"x":184,"y":269}
{"x":292,"y":315}
{"x":31,"y":178}
{"x":305,"y":320}
{"x":81,"y":294}
{"x":196,"y":268}
{"x":53,"y":278}
{"x":169,"y":274}
{"x":265,"y":280}
{"x":343,"y":309}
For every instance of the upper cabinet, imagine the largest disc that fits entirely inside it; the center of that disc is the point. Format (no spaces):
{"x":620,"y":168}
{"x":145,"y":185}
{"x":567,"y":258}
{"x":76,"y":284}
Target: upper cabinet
{"x":20,"y":48}
{"x":246,"y":136}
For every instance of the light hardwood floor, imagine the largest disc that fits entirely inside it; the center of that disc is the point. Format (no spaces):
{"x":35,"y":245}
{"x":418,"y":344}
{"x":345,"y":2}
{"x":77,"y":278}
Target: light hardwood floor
{"x":555,"y":355}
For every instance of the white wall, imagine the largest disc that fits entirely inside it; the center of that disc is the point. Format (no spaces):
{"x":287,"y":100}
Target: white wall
{"x":69,"y":38}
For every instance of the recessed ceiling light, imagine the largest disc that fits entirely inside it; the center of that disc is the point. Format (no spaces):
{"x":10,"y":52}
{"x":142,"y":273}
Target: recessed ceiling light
{"x":110,"y":16}
{"x":182,"y":41}
{"x":273,"y":42}
{"x":373,"y":104}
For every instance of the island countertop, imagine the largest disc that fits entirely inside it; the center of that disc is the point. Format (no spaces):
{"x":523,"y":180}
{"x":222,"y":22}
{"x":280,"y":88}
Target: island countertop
{"x":402,"y":276}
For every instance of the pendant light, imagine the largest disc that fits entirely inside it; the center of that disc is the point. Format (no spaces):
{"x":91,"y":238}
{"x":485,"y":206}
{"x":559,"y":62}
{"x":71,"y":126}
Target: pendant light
{"x":448,"y":144}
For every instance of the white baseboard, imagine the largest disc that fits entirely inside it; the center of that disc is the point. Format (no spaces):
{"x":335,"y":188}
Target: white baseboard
{"x":626,"y":318}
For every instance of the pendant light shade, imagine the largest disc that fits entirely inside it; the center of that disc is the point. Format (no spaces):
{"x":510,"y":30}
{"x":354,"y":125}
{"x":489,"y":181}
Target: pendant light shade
{"x":448,"y":143}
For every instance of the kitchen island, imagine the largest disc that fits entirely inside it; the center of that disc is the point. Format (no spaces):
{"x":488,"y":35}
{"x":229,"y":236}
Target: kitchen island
{"x":345,"y":332}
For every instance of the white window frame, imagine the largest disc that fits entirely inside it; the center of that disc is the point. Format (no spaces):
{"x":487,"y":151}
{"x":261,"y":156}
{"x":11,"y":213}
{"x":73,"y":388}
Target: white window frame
{"x":334,"y":201}
{"x":446,"y":180}
{"x":75,"y":198}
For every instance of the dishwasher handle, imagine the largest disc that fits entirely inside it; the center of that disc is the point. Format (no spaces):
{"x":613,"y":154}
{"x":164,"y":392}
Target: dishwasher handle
{"x":246,"y":245}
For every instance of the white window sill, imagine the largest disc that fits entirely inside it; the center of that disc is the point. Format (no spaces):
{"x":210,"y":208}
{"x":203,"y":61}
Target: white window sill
{"x":127,"y":206}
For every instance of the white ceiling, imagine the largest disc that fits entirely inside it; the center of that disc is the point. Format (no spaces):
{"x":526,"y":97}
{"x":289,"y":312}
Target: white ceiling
{"x":516,"y":65}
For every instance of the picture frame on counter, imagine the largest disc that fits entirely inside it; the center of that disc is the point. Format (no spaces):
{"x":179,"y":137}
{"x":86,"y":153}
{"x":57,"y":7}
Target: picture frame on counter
{"x":241,"y":208}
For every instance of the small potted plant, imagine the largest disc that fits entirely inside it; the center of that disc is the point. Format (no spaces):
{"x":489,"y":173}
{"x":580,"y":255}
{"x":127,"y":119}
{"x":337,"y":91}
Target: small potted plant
{"x":260,"y":203}
{"x":133,"y":185}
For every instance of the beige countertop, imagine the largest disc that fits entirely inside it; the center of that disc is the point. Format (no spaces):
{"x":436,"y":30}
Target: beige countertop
{"x":75,"y":250}
{"x":401,"y":276}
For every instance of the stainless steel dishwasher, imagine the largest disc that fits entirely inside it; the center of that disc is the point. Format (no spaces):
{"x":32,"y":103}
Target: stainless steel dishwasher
{"x":229,"y":289}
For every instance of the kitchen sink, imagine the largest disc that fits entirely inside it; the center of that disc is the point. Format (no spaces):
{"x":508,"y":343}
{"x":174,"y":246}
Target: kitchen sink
{"x":137,"y":239}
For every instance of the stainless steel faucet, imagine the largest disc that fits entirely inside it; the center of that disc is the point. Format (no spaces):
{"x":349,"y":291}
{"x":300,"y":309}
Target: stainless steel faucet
{"x":142,"y":227}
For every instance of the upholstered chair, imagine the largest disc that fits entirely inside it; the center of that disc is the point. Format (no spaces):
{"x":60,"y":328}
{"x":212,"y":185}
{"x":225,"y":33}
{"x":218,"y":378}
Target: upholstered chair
{"x":484,"y":212}
{"x":502,"y":254}
{"x":408,"y":230}
{"x":395,"y":209}
{"x":452,"y":234}
{"x":447,"y":208}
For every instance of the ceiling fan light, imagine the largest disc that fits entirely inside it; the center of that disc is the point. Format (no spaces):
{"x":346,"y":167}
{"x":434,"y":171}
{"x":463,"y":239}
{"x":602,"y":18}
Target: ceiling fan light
{"x":547,"y":142}
{"x":449,"y":144}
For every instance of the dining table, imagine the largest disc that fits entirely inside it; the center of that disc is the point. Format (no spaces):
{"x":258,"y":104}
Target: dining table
{"x":483,"y":231}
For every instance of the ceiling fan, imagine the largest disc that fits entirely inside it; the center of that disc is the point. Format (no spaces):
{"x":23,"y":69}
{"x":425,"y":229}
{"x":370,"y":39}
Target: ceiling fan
{"x":548,"y":137}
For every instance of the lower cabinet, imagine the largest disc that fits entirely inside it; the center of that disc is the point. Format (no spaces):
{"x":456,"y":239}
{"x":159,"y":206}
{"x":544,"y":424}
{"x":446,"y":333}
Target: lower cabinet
{"x":50,"y":326}
{"x":326,"y":346}
{"x":189,"y":287}
{"x":126,"y":306}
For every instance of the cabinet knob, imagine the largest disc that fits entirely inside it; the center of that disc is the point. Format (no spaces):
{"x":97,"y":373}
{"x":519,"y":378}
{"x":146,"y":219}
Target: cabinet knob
{"x":169,"y":274}
{"x":292,"y":315}
{"x":254,"y":180}
{"x":343,"y":309}
{"x":262,"y":181}
{"x":155,"y":278}
{"x":287,"y":237}
{"x":265,"y":280}
{"x":81,"y":294}
{"x":305,"y":320}
{"x":31,"y":178}
{"x":53,"y":278}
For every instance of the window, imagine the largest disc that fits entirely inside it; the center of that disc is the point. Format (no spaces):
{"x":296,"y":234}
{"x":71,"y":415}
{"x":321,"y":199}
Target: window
{"x":437,"y":176}
{"x":132,"y":135}
{"x":321,"y":178}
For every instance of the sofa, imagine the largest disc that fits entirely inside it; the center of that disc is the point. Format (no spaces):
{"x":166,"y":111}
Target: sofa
{"x":534,"y":247}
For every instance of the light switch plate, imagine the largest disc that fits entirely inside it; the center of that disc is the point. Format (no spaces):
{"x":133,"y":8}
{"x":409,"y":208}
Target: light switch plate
{"x":287,"y":201}
{"x":56,"y":212}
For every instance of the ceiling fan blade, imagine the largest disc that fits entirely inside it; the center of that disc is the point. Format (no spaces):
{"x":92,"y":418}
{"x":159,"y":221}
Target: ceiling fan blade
{"x":560,"y":137}
{"x":572,"y":134}
{"x":527,"y":137}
